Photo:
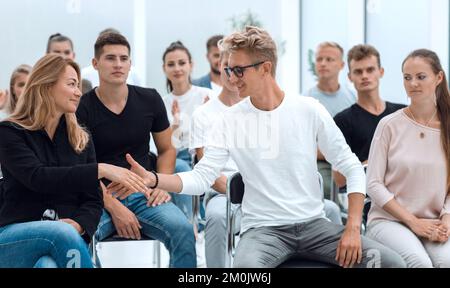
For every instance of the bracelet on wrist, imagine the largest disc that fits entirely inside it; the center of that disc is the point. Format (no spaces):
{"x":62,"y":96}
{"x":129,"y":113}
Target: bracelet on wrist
{"x":156,"y":180}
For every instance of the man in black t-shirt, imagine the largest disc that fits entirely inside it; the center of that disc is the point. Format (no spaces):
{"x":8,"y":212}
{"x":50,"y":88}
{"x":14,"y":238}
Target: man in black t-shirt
{"x":120,"y":118}
{"x":359,"y":121}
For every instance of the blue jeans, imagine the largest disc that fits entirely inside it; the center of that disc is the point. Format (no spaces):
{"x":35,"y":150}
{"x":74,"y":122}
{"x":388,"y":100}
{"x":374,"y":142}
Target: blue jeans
{"x":184,"y":202}
{"x":42,"y":244}
{"x":165,"y":223}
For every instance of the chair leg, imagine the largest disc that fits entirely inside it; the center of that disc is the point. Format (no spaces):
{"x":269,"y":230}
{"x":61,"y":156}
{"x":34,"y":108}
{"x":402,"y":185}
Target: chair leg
{"x":156,"y":254}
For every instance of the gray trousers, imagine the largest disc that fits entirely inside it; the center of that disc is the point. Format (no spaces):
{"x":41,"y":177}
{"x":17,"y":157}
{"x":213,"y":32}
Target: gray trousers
{"x":268,"y":247}
{"x":417,"y":252}
{"x":216,"y":229}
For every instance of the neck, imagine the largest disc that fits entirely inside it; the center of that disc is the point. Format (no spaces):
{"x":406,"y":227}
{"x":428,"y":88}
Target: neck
{"x":268,"y":97}
{"x":215,"y":78}
{"x":228,"y":97}
{"x":329,"y":85}
{"x":51,"y":125}
{"x":181,"y":88}
{"x":423,"y":110}
{"x":371,"y":101}
{"x":112,"y":93}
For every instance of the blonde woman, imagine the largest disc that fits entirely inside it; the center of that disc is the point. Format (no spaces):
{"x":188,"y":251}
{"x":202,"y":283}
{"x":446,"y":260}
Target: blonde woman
{"x":409,"y":175}
{"x":50,"y":173}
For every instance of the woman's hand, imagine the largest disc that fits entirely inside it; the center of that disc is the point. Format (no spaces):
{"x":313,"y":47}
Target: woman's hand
{"x":130,"y":181}
{"x":427,"y":228}
{"x":122,"y":191}
{"x":74,"y":224}
{"x":176,"y":113}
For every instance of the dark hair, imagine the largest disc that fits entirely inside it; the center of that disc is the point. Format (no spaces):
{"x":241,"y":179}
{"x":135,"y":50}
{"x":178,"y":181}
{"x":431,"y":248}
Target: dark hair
{"x":174,"y":46}
{"x":110,"y":39}
{"x":58,"y":38}
{"x":442,"y":101}
{"x":213,"y":41}
{"x":360,"y":52}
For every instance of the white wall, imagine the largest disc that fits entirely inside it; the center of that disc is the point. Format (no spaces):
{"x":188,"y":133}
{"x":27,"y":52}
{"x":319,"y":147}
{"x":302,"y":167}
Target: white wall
{"x":149,"y":25}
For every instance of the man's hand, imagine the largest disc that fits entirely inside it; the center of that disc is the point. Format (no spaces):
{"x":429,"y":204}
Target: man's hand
{"x":126,"y":223}
{"x":349,"y":251}
{"x":75,"y":225}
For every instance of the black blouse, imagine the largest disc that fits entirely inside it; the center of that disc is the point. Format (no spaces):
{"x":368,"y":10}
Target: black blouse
{"x":41,"y":173}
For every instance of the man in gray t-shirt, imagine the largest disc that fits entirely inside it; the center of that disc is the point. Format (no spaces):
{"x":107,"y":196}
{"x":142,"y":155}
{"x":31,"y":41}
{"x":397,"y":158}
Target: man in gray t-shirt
{"x":332,"y":95}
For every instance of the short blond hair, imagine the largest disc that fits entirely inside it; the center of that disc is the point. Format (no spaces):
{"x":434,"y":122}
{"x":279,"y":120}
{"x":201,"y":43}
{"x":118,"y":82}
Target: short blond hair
{"x":256,"y":42}
{"x":330,"y":44}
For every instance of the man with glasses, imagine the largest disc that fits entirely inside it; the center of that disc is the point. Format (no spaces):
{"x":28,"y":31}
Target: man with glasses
{"x":273,"y":138}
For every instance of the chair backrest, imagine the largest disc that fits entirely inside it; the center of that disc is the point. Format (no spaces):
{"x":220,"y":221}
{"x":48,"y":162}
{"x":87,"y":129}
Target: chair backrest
{"x":236,"y":188}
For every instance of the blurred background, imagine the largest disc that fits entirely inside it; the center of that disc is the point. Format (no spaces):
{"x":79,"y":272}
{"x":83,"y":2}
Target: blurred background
{"x":394,"y":27}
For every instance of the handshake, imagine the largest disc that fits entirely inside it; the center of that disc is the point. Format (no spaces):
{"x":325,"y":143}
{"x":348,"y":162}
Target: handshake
{"x":137,"y":180}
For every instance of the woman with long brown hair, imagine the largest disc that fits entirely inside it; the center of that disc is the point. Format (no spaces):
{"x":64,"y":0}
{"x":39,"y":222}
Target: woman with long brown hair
{"x":50,"y":173}
{"x":409,"y":171}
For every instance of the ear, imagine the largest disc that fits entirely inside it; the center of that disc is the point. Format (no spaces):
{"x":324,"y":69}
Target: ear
{"x":267,"y":68}
{"x":381,"y":72}
{"x":440,"y":77}
{"x":342,"y":65}
{"x":95,"y":63}
{"x":349,"y":75}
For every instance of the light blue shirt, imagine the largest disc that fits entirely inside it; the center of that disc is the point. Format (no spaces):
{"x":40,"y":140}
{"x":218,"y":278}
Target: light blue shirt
{"x":333,"y":102}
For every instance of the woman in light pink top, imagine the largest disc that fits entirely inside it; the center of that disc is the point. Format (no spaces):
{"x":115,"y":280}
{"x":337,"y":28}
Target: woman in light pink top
{"x":409,"y":169}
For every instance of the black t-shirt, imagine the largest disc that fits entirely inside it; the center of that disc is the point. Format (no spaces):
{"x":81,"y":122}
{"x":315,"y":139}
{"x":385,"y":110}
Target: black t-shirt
{"x":114,"y":135}
{"x":358,"y":127}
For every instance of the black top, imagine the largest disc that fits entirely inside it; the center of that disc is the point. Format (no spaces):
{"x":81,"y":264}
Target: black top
{"x":40,"y":174}
{"x":115,"y":135}
{"x":358,"y":127}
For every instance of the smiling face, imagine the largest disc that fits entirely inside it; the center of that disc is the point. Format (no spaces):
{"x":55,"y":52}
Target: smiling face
{"x":177,"y":67}
{"x":419,"y":80}
{"x":113,"y":64}
{"x":66,"y":92}
{"x":365,"y":74}
{"x":250,"y":82}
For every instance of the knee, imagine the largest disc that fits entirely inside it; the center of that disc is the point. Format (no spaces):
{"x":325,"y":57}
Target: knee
{"x":383,"y":257}
{"x":215,"y":217}
{"x":443,"y":262}
{"x":182,"y":166}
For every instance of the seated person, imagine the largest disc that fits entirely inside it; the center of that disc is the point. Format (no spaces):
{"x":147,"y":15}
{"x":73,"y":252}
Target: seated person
{"x":359,"y":121}
{"x":50,"y":173}
{"x":282,"y":209}
{"x":409,"y":171}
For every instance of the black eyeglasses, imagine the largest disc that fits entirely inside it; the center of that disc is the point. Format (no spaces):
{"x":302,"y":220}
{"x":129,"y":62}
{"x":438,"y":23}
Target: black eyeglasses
{"x":239,"y":70}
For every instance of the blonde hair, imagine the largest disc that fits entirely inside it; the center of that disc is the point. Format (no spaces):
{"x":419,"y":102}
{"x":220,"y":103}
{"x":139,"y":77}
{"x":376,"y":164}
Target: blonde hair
{"x":330,"y":44}
{"x":256,"y":42}
{"x":22,"y":69}
{"x":36,"y":105}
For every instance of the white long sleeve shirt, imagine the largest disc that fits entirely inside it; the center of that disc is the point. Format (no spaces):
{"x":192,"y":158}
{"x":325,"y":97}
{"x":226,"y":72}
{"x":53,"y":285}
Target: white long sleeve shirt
{"x":275,"y":152}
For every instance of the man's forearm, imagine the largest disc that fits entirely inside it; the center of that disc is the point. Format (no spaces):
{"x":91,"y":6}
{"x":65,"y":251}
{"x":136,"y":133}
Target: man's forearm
{"x":355,"y":208}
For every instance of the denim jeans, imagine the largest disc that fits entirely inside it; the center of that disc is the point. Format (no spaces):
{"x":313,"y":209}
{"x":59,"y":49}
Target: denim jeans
{"x":42,"y":244}
{"x":184,"y":202}
{"x":165,"y":223}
